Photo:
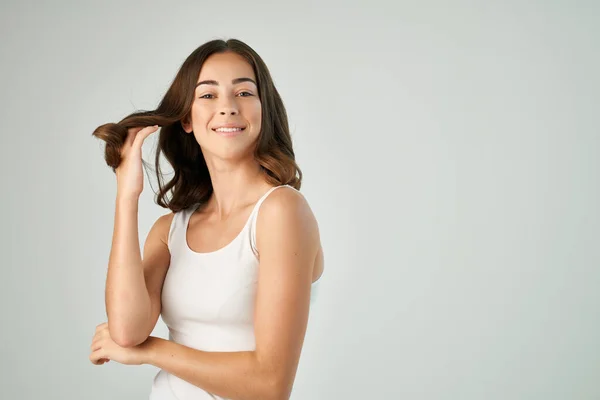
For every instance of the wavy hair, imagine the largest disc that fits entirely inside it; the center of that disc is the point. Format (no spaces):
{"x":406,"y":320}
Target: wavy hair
{"x":191,"y":181}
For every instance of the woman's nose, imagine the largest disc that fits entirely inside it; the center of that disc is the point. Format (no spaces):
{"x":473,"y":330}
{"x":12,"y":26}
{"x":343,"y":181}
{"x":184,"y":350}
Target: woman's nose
{"x":228,"y":111}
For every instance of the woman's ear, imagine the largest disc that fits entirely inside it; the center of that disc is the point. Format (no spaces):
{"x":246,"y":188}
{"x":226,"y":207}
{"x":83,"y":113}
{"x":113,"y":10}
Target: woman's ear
{"x":186,"y":125}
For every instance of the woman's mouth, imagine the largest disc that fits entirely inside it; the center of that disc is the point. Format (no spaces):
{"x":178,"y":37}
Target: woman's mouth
{"x":229,"y":131}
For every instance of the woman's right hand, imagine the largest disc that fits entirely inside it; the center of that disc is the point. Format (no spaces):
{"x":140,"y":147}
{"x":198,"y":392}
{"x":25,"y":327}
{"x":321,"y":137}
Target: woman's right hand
{"x":130,"y":177}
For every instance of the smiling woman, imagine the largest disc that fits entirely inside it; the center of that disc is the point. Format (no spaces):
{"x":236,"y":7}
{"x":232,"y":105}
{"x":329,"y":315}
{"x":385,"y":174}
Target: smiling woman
{"x":235,"y":95}
{"x":233,"y":268}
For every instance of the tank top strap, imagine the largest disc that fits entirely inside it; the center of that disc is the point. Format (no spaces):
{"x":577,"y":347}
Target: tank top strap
{"x":254,"y":216}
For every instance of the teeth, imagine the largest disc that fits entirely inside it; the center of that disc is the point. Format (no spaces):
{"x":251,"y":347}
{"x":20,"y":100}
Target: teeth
{"x":228,"y":129}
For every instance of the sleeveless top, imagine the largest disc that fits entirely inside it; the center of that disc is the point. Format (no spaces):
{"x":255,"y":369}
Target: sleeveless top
{"x":208,"y":299}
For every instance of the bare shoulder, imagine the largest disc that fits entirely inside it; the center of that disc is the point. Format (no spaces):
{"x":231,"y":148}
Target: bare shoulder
{"x":287,"y":212}
{"x":162,"y":225}
{"x":286,"y":202}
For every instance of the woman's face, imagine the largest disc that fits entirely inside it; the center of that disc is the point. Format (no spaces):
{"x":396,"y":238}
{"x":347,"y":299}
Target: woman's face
{"x":226,"y":94}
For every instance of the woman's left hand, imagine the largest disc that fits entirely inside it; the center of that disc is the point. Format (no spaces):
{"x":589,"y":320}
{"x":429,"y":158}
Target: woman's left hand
{"x":105,"y":349}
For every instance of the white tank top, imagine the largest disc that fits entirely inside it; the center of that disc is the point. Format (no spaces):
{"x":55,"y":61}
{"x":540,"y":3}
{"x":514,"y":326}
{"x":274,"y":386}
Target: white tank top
{"x":208,"y":299}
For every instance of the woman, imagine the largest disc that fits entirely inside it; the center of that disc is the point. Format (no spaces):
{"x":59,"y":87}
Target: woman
{"x":236,"y":328}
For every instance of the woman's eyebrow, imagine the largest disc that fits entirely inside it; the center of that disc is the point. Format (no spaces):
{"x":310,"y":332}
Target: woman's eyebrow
{"x":235,"y":81}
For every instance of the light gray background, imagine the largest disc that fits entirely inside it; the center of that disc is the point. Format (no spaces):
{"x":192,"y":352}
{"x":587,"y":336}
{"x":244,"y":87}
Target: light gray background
{"x":450,"y":152}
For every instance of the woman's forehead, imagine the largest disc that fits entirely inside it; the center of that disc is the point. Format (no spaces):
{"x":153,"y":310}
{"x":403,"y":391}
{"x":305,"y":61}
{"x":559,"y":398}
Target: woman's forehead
{"x":226,"y":68}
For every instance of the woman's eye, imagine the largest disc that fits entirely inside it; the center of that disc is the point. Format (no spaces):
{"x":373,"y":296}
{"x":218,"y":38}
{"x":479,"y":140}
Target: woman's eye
{"x":209,"y":94}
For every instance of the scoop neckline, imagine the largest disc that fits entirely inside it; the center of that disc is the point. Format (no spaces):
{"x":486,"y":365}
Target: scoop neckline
{"x":235,"y":239}
{"x":221,"y":249}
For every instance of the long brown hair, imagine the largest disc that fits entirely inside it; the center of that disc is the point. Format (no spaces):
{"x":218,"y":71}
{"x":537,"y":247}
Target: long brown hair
{"x":191,"y":181}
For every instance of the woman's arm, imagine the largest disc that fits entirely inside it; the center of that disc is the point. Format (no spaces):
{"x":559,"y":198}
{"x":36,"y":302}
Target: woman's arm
{"x":132,"y":294}
{"x":232,"y":375}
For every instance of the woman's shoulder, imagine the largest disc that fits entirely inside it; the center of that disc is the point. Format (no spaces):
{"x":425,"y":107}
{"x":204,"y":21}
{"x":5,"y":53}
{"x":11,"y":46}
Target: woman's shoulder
{"x":163,"y":225}
{"x":165,"y":219}
{"x":286,"y":206}
{"x":285,"y":199}
{"x":286,"y":214}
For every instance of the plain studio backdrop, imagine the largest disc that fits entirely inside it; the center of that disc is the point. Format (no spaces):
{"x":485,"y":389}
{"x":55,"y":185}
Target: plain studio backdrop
{"x":450,"y":153}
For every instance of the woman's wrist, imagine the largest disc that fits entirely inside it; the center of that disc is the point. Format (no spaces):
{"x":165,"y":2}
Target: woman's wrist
{"x":148,"y":348}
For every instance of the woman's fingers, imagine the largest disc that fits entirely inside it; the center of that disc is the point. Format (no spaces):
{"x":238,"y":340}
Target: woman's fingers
{"x":96,"y":357}
{"x":96,"y":346}
{"x":131,"y":132}
{"x":135,"y":135}
{"x":143,"y":134}
{"x":100,"y":326}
